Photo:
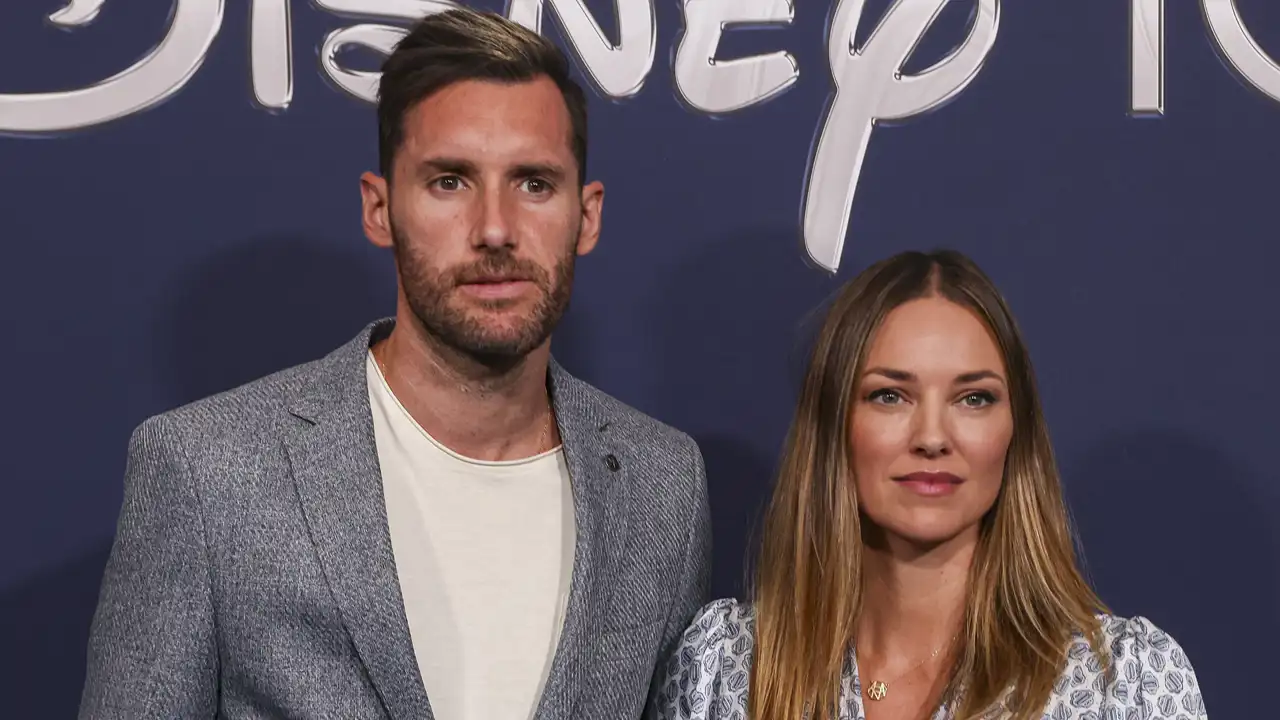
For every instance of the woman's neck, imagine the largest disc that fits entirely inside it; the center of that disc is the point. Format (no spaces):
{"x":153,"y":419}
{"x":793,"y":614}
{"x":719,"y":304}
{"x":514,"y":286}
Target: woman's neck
{"x":913,"y":599}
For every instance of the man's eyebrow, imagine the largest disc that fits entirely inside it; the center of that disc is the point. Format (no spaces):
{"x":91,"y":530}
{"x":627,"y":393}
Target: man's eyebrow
{"x":445,"y":164}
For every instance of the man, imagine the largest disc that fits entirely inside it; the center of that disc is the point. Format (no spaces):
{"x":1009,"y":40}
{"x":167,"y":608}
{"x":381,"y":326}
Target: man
{"x":435,"y":520}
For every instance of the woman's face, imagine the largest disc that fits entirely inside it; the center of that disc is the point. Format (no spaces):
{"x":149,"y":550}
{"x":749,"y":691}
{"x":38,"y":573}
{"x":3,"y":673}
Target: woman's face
{"x":931,"y":423}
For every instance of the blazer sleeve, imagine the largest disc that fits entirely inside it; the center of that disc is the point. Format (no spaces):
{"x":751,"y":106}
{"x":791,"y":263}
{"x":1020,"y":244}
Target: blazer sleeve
{"x":152,"y":649}
{"x":695,"y":571}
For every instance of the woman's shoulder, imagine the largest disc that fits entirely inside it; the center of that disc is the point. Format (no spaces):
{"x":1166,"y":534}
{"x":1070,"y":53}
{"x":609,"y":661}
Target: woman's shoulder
{"x":1141,"y":643}
{"x":1148,"y":668}
{"x":719,"y":620}
{"x":708,"y":674}
{"x":723,"y":629}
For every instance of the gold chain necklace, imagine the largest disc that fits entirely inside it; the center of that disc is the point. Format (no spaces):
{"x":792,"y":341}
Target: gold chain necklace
{"x":543,"y":438}
{"x":879,"y":689}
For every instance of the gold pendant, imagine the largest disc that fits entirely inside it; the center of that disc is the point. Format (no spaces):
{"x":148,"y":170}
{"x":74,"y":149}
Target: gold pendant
{"x":877,"y":690}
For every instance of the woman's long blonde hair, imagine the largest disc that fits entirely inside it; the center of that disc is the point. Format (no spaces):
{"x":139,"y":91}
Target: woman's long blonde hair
{"x":1026,"y":596}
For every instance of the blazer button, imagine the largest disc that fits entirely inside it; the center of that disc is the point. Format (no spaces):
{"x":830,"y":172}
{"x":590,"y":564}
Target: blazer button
{"x":613,"y":463}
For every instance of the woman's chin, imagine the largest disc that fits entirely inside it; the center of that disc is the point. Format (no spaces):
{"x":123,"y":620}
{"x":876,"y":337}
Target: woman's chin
{"x":928,"y":530}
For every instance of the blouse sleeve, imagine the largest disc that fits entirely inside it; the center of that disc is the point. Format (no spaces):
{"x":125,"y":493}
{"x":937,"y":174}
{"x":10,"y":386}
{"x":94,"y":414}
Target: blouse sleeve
{"x":706,"y":677}
{"x":1153,"y":674}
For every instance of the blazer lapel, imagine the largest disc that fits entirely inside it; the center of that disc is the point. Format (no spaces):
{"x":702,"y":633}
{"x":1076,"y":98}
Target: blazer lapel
{"x":597,"y":473}
{"x":335,"y":465}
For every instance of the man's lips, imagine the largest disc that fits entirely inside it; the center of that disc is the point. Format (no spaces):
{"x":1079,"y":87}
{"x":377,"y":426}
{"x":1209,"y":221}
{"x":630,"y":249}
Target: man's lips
{"x":493,"y":279}
{"x":495,"y":287}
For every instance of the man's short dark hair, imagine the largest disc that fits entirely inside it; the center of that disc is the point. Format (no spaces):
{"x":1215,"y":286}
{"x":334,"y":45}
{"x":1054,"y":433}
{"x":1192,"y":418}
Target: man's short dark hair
{"x":465,"y":44}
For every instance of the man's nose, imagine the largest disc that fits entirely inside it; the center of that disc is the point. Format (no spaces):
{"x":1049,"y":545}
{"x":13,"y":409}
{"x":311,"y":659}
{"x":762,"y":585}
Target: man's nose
{"x":495,"y":217}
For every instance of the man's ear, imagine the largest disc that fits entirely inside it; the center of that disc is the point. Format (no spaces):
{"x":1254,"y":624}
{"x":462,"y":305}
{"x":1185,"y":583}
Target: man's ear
{"x":375,"y":210}
{"x":592,"y":206}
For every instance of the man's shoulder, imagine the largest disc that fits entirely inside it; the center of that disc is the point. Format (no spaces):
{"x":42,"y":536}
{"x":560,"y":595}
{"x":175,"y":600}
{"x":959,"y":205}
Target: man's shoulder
{"x":634,"y":427}
{"x":245,"y":415}
{"x":262,"y":396}
{"x":248,"y":407}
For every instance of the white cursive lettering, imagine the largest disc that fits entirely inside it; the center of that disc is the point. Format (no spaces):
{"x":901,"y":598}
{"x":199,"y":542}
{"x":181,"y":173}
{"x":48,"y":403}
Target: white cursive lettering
{"x":723,"y":86}
{"x":1146,"y":57}
{"x":619,"y":70}
{"x":870,"y":86}
{"x":149,"y":82}
{"x":1231,"y":38}
{"x":363,"y":84}
{"x":1239,"y":48}
{"x":271,"y":54}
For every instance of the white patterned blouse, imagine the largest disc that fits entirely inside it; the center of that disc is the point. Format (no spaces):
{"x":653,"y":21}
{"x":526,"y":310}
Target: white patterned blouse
{"x":706,"y":678}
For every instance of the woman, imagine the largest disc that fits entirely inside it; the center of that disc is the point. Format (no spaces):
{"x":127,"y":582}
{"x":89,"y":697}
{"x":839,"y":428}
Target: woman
{"x":917,"y":560}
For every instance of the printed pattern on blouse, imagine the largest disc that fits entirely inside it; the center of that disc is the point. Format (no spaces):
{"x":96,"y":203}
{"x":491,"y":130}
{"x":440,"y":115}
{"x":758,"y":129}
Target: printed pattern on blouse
{"x":707,"y":677}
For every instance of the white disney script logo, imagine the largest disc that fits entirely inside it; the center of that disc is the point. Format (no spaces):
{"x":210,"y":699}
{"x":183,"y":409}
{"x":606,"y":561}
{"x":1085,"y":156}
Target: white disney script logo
{"x":868,"y":84}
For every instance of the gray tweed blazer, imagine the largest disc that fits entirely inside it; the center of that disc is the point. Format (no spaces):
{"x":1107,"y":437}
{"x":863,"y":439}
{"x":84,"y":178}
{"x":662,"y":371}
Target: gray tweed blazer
{"x":252,"y":573}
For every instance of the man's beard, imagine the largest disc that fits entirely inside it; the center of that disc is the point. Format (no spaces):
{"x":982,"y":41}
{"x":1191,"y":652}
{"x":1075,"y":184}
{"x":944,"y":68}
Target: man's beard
{"x":468,"y":326}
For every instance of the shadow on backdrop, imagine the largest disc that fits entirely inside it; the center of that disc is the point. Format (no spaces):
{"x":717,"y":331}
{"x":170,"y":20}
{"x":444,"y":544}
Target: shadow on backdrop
{"x":1200,"y":564}
{"x":44,"y":623}
{"x":739,"y":478}
{"x":266,"y":305}
{"x":571,"y":341}
{"x":730,"y":352}
{"x":248,"y":312}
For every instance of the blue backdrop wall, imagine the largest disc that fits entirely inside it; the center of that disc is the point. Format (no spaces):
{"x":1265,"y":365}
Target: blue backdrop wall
{"x":197,"y":243}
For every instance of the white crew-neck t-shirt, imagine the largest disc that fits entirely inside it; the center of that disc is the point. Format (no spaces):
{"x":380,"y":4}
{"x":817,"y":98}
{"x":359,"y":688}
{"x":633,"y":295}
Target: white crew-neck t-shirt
{"x":484,"y":554}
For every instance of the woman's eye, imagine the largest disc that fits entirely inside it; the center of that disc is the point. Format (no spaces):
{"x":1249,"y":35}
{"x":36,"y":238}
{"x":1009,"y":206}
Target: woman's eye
{"x":978,"y":399}
{"x":885,"y":397}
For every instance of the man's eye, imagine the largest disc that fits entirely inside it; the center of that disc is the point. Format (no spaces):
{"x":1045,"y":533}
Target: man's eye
{"x":449,"y":183}
{"x":537,"y":186}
